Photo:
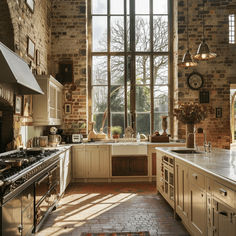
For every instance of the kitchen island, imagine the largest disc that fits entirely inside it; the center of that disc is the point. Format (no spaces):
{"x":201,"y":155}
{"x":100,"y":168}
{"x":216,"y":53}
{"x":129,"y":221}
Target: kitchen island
{"x":201,"y":188}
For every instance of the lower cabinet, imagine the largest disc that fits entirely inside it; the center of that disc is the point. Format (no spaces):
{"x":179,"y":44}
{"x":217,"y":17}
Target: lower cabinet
{"x":129,"y":166}
{"x":65,"y":170}
{"x":98,"y":159}
{"x":91,"y":161}
{"x":223,"y":219}
{"x":197,"y":210}
{"x":181,"y":191}
{"x":205,"y":204}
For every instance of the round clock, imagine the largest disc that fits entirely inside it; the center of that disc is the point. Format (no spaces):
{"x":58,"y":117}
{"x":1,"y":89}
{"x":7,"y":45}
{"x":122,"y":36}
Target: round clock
{"x":195,"y":80}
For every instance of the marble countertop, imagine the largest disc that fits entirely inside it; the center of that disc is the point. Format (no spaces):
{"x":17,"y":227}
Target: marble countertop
{"x":129,"y":143}
{"x":220,"y":162}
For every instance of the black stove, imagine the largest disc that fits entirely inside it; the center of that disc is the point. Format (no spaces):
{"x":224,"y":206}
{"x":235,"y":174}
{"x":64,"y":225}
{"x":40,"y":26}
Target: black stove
{"x":19,"y":167}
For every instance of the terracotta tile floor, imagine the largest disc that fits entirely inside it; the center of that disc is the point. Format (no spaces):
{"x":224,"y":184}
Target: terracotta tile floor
{"x":113,"y":207}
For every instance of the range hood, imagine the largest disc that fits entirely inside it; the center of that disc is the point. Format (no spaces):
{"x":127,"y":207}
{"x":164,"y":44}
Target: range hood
{"x":15,"y":71}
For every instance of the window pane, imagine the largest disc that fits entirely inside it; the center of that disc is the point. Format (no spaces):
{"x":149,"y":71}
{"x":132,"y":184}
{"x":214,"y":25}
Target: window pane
{"x":117,"y":33}
{"x":99,"y":33}
{"x":160,"y":70}
{"x":117,"y":98}
{"x":142,"y":6}
{"x":161,"y":98}
{"x":99,"y":98}
{"x":160,"y":7}
{"x":117,"y":7}
{"x":99,"y":70}
{"x":158,"y":121}
{"x":118,"y":119}
{"x":143,"y":123}
{"x":143,"y":69}
{"x":99,"y":6}
{"x":128,"y":98}
{"x":143,"y":98}
{"x":160,"y":33}
{"x":98,"y":118}
{"x":142,"y":36}
{"x":117,"y":70}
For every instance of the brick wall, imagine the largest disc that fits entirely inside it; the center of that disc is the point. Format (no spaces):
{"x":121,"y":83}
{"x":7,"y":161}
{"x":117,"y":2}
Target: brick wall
{"x":69,"y":45}
{"x":216,"y":72}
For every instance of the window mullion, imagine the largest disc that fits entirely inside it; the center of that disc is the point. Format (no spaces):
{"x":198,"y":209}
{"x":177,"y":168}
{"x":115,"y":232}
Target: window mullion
{"x":125,"y":62}
{"x":109,"y":68}
{"x":151,"y":68}
{"x":132,"y":65}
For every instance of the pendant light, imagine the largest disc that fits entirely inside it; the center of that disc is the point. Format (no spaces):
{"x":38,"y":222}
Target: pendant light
{"x":187,"y":60}
{"x":203,"y":52}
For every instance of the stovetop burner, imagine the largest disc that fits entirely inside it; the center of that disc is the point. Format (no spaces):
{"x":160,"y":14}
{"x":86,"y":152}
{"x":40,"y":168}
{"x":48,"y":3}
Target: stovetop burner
{"x":13,"y":163}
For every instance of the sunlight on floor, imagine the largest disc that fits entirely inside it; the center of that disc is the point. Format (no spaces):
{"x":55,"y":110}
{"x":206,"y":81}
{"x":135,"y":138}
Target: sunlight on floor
{"x":76,"y":209}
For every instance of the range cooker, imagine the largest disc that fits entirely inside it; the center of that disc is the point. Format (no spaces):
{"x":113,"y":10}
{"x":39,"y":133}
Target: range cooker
{"x":29,"y":189}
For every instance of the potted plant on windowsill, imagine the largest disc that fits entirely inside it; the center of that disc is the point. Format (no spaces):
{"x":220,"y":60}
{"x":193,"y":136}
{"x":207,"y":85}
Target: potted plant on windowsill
{"x":116,"y":131}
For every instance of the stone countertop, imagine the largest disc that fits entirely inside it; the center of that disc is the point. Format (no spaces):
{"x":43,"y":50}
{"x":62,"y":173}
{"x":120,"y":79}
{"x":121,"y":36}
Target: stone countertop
{"x":127,"y":143}
{"x":220,"y":162}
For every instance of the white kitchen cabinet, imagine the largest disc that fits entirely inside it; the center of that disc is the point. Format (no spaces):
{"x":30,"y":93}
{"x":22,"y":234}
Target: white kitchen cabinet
{"x":181,"y":190}
{"x":197,"y":210}
{"x":98,"y":159}
{"x":79,"y":165}
{"x":223,"y":220}
{"x":65,"y":170}
{"x":47,"y":108}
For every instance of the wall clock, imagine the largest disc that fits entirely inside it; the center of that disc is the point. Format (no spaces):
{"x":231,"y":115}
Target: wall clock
{"x":195,"y":80}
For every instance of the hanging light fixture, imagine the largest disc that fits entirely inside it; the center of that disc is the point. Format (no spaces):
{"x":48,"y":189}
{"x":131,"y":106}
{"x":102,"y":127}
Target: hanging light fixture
{"x":187,"y":60}
{"x":203,"y":52}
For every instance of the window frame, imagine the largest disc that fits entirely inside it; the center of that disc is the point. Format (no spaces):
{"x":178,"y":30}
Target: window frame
{"x":132,"y":53}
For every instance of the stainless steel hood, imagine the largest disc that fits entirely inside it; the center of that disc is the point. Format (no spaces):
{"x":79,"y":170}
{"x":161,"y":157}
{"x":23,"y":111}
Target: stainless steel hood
{"x":15,"y":71}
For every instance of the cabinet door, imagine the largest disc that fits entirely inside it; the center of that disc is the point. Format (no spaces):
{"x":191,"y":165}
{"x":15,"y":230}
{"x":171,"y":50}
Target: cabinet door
{"x":59,"y":103}
{"x":138,"y":166}
{"x":159,"y":180}
{"x":120,"y":166}
{"x":181,"y":190}
{"x":224,"y":220}
{"x":198,"y":210}
{"x":79,"y":169}
{"x":52,"y":101}
{"x":98,"y":161}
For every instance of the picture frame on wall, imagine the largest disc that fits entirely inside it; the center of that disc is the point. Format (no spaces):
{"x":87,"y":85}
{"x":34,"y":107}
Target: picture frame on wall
{"x":30,"y":4}
{"x":37,"y":57}
{"x":18,"y":105}
{"x":68,"y":108}
{"x":27,"y":105}
{"x":218,"y":112}
{"x":204,"y":97}
{"x":30,"y":48}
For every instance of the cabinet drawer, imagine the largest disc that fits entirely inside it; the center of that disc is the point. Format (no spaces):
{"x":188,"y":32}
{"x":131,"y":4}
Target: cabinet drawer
{"x":196,"y":178}
{"x":224,"y":193}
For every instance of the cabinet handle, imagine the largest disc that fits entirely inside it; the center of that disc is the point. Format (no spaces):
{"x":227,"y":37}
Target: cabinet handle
{"x":223,"y":213}
{"x":195,"y":176}
{"x":223,"y":192}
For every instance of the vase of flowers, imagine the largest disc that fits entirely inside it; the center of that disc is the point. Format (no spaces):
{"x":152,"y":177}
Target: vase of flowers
{"x":190,"y":114}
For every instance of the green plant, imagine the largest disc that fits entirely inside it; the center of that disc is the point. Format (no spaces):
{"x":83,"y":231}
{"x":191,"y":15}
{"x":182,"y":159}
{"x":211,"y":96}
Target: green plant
{"x":116,"y":129}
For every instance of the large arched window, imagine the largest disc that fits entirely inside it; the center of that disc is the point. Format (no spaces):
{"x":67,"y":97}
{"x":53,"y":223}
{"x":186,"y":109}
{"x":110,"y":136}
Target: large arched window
{"x":128,"y":63}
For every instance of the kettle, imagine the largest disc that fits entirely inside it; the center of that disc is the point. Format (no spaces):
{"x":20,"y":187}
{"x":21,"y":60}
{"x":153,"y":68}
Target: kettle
{"x":54,"y":140}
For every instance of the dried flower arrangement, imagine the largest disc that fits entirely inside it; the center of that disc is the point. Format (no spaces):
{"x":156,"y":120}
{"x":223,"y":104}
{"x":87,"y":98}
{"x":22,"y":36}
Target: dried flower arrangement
{"x":191,"y":113}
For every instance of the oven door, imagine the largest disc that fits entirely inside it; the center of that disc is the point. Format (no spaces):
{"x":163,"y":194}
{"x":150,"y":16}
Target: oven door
{"x":46,"y":193}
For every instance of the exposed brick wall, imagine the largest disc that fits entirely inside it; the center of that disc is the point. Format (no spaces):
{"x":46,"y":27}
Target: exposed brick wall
{"x":6,"y":27}
{"x":216,"y":72}
{"x":69,"y":44}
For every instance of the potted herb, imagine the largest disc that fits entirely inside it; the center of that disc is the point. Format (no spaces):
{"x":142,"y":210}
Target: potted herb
{"x":116,"y":131}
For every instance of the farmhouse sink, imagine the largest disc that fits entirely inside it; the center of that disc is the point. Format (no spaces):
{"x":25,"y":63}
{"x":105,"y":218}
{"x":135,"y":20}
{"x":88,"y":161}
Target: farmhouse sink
{"x":185,"y":151}
{"x":130,"y":149}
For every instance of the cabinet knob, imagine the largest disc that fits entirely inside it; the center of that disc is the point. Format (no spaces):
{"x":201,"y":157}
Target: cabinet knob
{"x":195,"y":176}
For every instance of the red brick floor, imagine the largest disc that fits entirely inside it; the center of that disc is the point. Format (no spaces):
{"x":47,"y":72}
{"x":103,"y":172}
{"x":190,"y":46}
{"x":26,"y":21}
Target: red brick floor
{"x":112,"y":207}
